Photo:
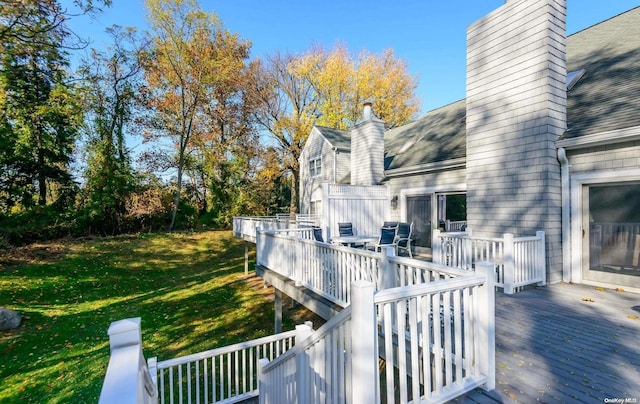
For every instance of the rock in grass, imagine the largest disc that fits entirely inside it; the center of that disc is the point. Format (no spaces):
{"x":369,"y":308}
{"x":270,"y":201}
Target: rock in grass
{"x":9,"y":319}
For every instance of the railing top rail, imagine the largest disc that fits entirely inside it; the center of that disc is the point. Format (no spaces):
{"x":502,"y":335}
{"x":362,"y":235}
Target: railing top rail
{"x":428,"y":265}
{"x":256,"y":217}
{"x":223,"y":350}
{"x":276,"y":232}
{"x":425,"y":265}
{"x":325,"y":329}
{"x":389,"y":295}
{"x":485,"y":238}
{"x":526,"y":238}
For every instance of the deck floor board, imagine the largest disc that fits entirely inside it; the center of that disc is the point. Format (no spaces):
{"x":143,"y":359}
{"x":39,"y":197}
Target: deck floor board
{"x":565,"y":343}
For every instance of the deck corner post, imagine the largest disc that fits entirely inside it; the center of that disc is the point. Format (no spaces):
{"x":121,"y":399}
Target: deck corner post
{"x":259,"y":246}
{"x":509,"y":267}
{"x":364,"y":377}
{"x":152,"y":365}
{"x":277,"y":301}
{"x":436,"y":245}
{"x":541,"y":258}
{"x":303,"y":331}
{"x":388,"y":276}
{"x":124,"y":333}
{"x":487,"y":318}
{"x":262,"y":383}
{"x":246,"y":258}
{"x":467,"y":252}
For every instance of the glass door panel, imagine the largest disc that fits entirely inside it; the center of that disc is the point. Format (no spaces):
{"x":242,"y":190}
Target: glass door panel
{"x":612,"y":233}
{"x":419,"y":213}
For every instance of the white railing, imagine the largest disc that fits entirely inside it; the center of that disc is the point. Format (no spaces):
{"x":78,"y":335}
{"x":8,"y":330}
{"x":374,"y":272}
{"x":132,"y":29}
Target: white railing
{"x":440,"y":318}
{"x":317,"y":370}
{"x":449,"y":337}
{"x":128,"y":380}
{"x":444,"y":329}
{"x":245,"y":227}
{"x":454,"y":225}
{"x":329,"y":269}
{"x":519,"y":261}
{"x":227,"y":374}
{"x":326,"y":269}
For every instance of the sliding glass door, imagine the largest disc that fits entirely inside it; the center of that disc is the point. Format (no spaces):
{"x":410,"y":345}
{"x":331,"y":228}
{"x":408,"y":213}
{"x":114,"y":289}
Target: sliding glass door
{"x":419,"y":213}
{"x":611,"y":233}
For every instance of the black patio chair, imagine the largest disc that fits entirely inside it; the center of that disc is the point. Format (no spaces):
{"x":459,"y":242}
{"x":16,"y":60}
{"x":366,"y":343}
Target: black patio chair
{"x":345,"y":229}
{"x":387,"y":238}
{"x":404,"y":238}
{"x":390,"y":224}
{"x":317,"y":234}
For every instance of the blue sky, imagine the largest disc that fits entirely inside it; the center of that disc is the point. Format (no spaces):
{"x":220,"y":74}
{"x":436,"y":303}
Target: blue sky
{"x":430,"y":36}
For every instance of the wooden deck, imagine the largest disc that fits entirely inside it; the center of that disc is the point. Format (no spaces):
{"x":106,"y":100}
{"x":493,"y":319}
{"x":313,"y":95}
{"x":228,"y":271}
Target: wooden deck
{"x":564,"y":344}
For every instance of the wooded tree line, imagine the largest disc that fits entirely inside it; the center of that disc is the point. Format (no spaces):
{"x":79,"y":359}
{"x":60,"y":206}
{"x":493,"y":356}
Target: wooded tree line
{"x":221,"y":131}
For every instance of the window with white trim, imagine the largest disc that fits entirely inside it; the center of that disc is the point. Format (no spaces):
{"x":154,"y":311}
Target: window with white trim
{"x":315,"y":167}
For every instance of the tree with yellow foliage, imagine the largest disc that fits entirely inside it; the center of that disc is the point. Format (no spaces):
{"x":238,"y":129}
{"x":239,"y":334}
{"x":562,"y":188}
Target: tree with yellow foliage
{"x":328,"y":88}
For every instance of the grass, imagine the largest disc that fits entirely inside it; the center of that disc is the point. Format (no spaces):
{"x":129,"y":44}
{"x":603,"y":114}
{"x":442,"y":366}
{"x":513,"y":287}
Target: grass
{"x":189,"y":289}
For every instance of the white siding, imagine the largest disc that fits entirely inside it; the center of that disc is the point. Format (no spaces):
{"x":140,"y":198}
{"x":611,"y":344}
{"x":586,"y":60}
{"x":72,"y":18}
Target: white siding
{"x":333,"y":161}
{"x":516,"y":110}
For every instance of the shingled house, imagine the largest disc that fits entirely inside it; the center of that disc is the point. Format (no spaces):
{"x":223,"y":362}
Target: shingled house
{"x":547,"y":138}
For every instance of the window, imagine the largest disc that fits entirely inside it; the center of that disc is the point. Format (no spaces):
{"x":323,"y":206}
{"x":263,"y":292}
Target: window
{"x":315,"y":208}
{"x":315,"y":167}
{"x":573,"y":77}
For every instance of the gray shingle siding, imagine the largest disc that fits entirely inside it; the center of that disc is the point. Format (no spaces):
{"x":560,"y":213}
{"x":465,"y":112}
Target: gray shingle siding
{"x":515,"y":112}
{"x":621,"y":156}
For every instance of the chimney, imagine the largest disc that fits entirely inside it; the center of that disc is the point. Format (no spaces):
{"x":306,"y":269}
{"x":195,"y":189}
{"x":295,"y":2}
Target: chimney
{"x":366,"y":113}
{"x":367,"y":149}
{"x":516,"y":110}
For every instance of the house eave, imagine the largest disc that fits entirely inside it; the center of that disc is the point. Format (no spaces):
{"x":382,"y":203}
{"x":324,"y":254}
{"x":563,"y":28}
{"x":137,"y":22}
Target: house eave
{"x":427,"y":168}
{"x":599,"y":139}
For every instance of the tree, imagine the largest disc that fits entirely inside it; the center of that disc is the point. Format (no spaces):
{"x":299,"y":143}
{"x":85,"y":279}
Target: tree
{"x":17,"y":17}
{"x":343,"y":83}
{"x":189,"y":76}
{"x":288,"y":111}
{"x":329,"y":89}
{"x":40,"y":112}
{"x":111,"y":87}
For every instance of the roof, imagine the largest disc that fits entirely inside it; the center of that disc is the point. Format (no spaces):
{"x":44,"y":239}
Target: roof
{"x":438,"y":136}
{"x":336,"y":137}
{"x":607,"y":97}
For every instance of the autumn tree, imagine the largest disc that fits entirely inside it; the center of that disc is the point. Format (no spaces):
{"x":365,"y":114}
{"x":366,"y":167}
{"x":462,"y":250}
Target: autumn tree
{"x":342,"y":83}
{"x":288,"y":111}
{"x":328,"y":88}
{"x":191,"y":78}
{"x":112,"y":82}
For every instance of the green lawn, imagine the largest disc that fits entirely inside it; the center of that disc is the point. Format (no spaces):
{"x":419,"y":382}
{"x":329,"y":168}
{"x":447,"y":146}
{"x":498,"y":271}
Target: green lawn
{"x":189,"y":289}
